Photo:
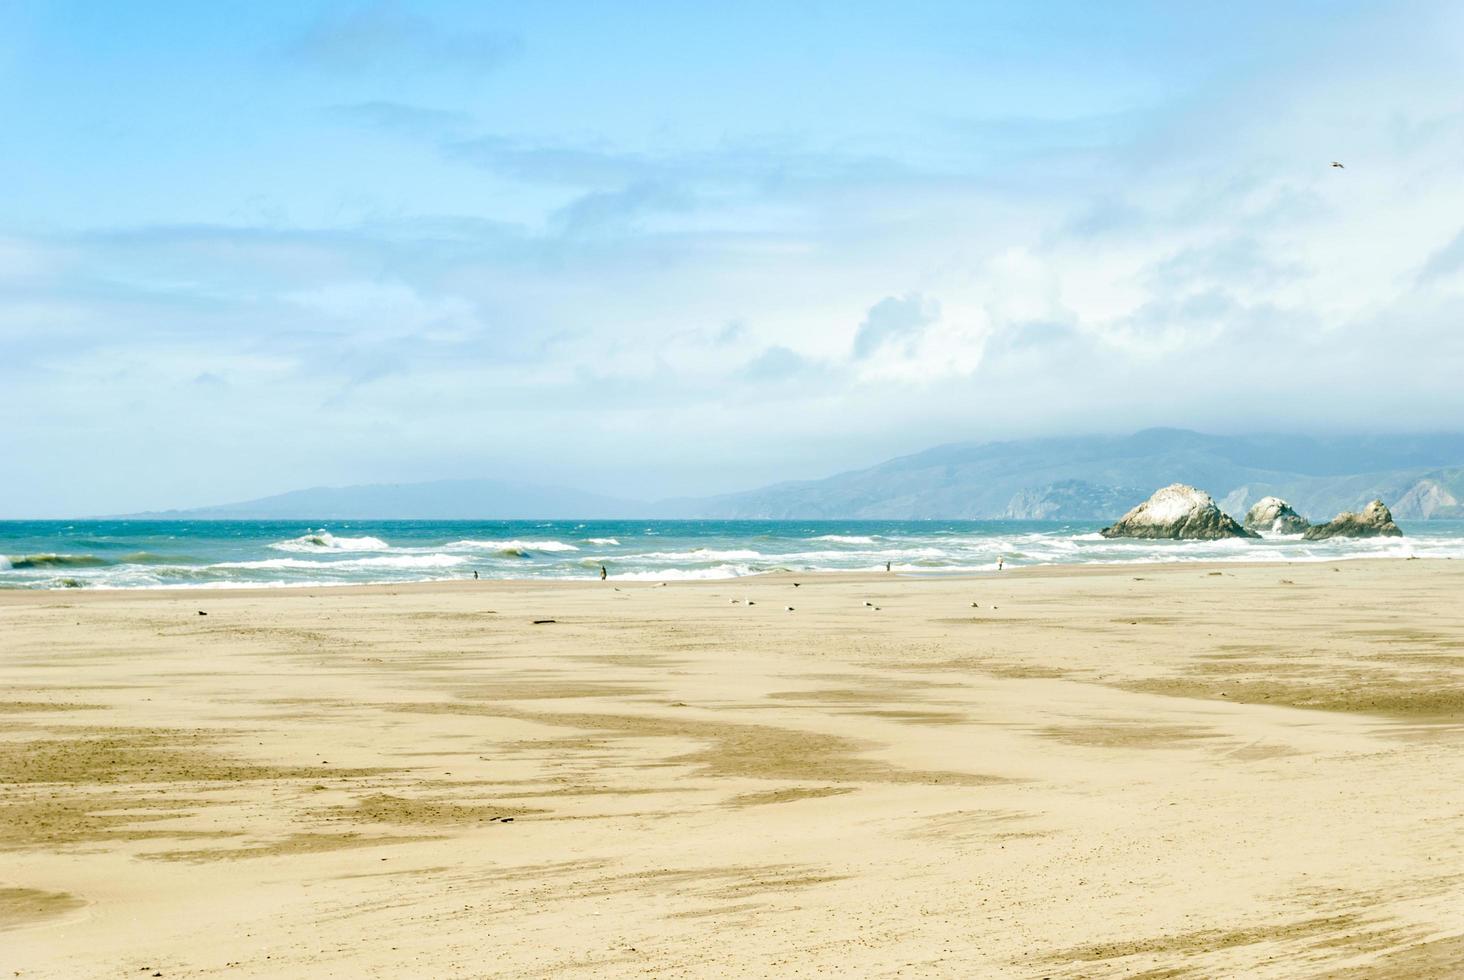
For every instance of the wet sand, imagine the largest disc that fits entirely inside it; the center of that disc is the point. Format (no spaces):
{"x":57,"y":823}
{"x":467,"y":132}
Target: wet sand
{"x":1101,"y":772}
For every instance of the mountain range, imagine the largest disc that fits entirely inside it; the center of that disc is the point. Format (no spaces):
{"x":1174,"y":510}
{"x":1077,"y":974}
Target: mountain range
{"x":1420,"y":477}
{"x":442,"y":500}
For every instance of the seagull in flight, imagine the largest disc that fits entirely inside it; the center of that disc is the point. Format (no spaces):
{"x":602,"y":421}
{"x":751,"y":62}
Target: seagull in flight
{"x":1338,"y":165}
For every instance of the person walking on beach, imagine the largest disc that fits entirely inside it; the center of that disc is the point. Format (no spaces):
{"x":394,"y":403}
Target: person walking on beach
{"x":1000,"y":561}
{"x":475,"y":575}
{"x":887,"y":566}
{"x":603,"y":573}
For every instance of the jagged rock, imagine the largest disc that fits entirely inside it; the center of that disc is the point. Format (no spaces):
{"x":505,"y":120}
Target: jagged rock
{"x":1276,"y":516}
{"x":1179,"y":512}
{"x":1375,"y":521}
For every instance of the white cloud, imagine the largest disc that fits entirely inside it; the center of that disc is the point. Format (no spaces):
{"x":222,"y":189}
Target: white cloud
{"x":1195,"y":264}
{"x":377,"y":310}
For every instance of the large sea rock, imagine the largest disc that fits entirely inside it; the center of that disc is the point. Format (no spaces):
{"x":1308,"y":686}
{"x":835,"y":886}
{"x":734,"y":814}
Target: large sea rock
{"x":1375,"y":521}
{"x":1178,"y":512}
{"x":1274,"y":515}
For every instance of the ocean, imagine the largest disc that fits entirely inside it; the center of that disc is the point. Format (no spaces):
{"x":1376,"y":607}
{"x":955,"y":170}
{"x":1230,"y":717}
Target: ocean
{"x":217,"y":554}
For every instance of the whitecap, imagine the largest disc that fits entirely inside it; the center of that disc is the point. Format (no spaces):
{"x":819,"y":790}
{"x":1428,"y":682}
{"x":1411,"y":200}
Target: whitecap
{"x":685,"y":574}
{"x":700,"y":554}
{"x":515,"y":546}
{"x":350,"y":564}
{"x":318,"y":541}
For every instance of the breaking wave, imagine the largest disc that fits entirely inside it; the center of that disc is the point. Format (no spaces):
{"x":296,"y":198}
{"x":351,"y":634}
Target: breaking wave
{"x":685,"y":574}
{"x":53,"y":561}
{"x":149,"y":558}
{"x":704,"y":554}
{"x":514,"y":548}
{"x":141,"y":555}
{"x":320,"y":541}
{"x":351,"y":564}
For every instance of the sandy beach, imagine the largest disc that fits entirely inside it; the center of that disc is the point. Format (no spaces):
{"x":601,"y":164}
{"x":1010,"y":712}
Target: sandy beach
{"x":1070,"y":772}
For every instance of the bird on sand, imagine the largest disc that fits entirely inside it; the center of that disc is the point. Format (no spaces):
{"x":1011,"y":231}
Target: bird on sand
{"x":1338,"y":165}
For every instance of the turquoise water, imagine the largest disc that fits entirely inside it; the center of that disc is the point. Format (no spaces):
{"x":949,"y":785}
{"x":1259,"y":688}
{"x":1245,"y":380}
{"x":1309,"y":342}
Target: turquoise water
{"x":161,"y":554}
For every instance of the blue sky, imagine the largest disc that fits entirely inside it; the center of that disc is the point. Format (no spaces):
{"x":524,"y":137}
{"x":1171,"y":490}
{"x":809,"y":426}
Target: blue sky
{"x":663,"y":249}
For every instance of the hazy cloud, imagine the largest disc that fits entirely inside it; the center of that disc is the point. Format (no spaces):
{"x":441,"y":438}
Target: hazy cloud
{"x":731,"y":332}
{"x":550,"y":164}
{"x":400,"y":117}
{"x":775,"y":364}
{"x":759,"y":166}
{"x":618,"y":210}
{"x":893,"y":320}
{"x":387,"y":36}
{"x":1242,"y":259}
{"x":681,"y":284}
{"x":1444,"y":262}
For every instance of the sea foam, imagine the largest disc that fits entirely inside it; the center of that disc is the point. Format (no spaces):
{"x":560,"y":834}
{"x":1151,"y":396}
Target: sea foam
{"x":351,"y":564}
{"x":113,"y":555}
{"x":685,"y":574}
{"x":514,"y":548}
{"x":704,"y":554}
{"x":317,"y":541}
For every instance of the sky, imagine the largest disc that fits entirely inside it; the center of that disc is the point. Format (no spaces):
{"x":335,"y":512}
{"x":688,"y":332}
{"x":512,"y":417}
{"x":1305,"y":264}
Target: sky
{"x":655,"y":250}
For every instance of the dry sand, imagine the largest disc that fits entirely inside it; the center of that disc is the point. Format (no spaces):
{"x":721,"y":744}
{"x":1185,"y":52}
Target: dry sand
{"x":1138,"y":771}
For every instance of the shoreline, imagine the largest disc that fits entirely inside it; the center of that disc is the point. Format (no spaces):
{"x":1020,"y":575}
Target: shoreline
{"x":590,"y":581}
{"x":259,"y":556}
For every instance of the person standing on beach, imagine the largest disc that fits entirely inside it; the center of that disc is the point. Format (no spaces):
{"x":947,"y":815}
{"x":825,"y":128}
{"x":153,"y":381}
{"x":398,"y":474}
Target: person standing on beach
{"x":475,"y":575}
{"x":1000,"y":561}
{"x":887,"y":566}
{"x":604,"y":574}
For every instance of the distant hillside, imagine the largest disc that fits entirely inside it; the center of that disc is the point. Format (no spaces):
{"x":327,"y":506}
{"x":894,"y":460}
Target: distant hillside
{"x":442,"y":500}
{"x":1070,"y":479}
{"x":1099,"y":477}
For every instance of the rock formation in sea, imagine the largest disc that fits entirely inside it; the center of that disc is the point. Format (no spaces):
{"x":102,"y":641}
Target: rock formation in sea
{"x":1274,"y":515}
{"x":1178,"y":512}
{"x":1375,"y":521}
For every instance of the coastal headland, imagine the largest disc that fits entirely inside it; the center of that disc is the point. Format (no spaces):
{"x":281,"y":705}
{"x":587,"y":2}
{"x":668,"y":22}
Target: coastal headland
{"x":1096,"y":771}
